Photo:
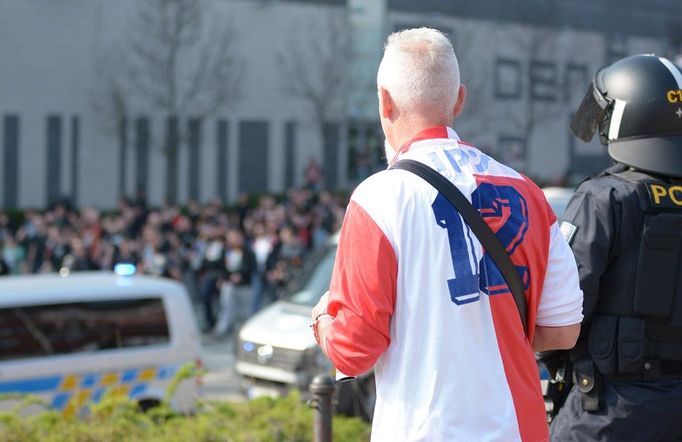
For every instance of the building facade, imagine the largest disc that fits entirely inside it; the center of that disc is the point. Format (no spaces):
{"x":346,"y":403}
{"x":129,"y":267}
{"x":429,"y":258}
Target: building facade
{"x":66,"y":132}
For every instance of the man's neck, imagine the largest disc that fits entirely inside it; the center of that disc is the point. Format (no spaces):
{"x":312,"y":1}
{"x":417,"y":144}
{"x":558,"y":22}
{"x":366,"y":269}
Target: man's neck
{"x":407,"y":131}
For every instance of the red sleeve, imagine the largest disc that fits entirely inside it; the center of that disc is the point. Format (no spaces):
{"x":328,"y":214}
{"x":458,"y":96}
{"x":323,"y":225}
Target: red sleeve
{"x":362,"y":294}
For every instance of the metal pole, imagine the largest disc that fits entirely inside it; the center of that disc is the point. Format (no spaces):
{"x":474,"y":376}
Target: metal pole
{"x":322,"y":388}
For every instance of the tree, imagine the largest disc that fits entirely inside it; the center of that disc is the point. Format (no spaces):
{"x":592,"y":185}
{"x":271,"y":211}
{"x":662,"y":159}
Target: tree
{"x":111,"y":100}
{"x":316,"y":63}
{"x":178,"y":65}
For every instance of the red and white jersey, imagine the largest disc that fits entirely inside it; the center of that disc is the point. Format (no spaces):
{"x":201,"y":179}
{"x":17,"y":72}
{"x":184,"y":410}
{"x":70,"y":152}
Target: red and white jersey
{"x":415,"y":296}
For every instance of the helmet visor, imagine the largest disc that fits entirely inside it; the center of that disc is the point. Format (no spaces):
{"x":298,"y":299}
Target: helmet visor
{"x":589,"y":115}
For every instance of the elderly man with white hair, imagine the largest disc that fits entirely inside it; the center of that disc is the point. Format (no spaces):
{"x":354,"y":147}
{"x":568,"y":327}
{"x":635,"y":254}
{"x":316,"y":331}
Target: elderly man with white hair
{"x":414,"y":294}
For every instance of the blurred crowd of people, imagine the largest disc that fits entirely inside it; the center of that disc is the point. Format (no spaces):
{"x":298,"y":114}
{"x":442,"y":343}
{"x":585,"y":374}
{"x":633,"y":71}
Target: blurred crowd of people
{"x":232,"y":259}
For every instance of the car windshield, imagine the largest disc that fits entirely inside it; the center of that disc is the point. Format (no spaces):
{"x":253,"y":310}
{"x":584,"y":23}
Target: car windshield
{"x":312,"y":284}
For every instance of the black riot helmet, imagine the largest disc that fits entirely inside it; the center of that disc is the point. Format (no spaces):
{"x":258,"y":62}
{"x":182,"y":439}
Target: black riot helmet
{"x":636,"y":103}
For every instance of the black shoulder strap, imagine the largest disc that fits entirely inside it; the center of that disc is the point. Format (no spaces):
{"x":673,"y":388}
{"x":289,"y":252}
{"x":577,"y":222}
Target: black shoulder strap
{"x":480,"y":228}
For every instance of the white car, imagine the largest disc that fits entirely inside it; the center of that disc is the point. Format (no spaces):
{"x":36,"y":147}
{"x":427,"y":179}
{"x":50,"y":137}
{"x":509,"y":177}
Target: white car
{"x":70,"y":340}
{"x":276,"y":347}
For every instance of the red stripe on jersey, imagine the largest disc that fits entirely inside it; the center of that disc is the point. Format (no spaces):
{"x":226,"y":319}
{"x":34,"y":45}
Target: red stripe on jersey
{"x":362,"y":294}
{"x":517,"y":355}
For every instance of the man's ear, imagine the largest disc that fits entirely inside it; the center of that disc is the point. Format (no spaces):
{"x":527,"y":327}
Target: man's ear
{"x":386,"y":105}
{"x":461,"y":99}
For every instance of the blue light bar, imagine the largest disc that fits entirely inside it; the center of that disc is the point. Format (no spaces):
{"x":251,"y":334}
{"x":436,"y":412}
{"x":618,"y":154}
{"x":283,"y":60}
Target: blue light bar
{"x":123,"y":269}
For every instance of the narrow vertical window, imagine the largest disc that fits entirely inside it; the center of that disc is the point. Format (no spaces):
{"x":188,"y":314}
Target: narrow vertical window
{"x":253,"y":156}
{"x":54,"y":158}
{"x":10,"y":161}
{"x":222,"y":137}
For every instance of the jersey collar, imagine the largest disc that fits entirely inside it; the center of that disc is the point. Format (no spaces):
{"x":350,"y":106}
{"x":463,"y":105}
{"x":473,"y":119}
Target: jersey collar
{"x":431,"y":133}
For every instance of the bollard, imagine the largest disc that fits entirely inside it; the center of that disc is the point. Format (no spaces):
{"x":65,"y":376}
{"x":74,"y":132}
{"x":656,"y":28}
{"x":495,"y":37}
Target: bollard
{"x":322,"y":388}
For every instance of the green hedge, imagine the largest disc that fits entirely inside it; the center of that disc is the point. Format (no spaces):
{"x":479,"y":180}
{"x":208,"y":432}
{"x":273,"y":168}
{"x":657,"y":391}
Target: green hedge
{"x":119,"y":419}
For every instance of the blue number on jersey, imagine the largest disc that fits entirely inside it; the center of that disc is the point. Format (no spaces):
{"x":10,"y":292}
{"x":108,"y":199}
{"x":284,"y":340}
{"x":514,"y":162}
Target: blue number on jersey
{"x":464,"y":286}
{"x":494,"y":202}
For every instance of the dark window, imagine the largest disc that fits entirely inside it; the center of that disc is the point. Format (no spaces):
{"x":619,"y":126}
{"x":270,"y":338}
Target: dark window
{"x":253,"y":156}
{"x":142,"y":154}
{"x":542,"y":76}
{"x":10,"y":161}
{"x":55,"y":329}
{"x":194,"y":144}
{"x":365,"y":150}
{"x":75,"y":157}
{"x":507,"y":79}
{"x":122,"y":155}
{"x":54,"y":158}
{"x":331,"y":155}
{"x":222,"y":137}
{"x":290,"y":154}
{"x":172,"y":150}
{"x":576,"y":81}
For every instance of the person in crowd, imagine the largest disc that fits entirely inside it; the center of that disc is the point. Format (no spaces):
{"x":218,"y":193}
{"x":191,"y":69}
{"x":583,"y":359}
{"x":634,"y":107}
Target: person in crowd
{"x":239,"y":268}
{"x":313,"y":175}
{"x":13,"y":254}
{"x":263,"y":246}
{"x":212,"y":269}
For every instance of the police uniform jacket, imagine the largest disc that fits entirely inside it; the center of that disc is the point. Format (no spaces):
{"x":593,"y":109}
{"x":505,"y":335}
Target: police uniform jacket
{"x":625,"y":229}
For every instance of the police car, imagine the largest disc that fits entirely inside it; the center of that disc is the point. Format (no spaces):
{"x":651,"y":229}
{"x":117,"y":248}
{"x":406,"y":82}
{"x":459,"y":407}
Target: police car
{"x":69,"y":340}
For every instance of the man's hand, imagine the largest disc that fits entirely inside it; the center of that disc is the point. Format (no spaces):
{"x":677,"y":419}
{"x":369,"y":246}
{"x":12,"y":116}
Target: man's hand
{"x":321,"y":306}
{"x":321,"y":321}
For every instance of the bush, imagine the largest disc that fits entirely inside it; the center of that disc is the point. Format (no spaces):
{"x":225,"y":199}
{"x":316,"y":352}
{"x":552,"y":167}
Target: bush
{"x":119,"y":419}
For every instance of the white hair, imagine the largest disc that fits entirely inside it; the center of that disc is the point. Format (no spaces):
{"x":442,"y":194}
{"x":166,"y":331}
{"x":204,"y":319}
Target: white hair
{"x":420,"y":71}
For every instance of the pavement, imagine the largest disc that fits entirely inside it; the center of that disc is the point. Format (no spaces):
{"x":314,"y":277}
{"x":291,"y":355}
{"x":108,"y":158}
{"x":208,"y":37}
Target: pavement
{"x":221,"y":381}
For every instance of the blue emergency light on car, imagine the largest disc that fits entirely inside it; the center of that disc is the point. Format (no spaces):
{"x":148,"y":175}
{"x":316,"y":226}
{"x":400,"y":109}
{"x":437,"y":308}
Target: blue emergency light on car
{"x":124,"y":269}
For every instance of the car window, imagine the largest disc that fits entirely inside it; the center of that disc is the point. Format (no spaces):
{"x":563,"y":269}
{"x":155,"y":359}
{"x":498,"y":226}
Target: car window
{"x":315,"y":281}
{"x":54,"y":329}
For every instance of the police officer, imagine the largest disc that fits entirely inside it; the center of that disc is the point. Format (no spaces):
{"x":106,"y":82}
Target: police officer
{"x":625,"y":229}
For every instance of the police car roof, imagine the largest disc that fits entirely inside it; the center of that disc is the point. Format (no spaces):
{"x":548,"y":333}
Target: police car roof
{"x":81,"y":286}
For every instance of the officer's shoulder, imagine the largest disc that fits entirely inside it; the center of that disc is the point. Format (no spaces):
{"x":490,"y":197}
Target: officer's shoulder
{"x":611,"y":184}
